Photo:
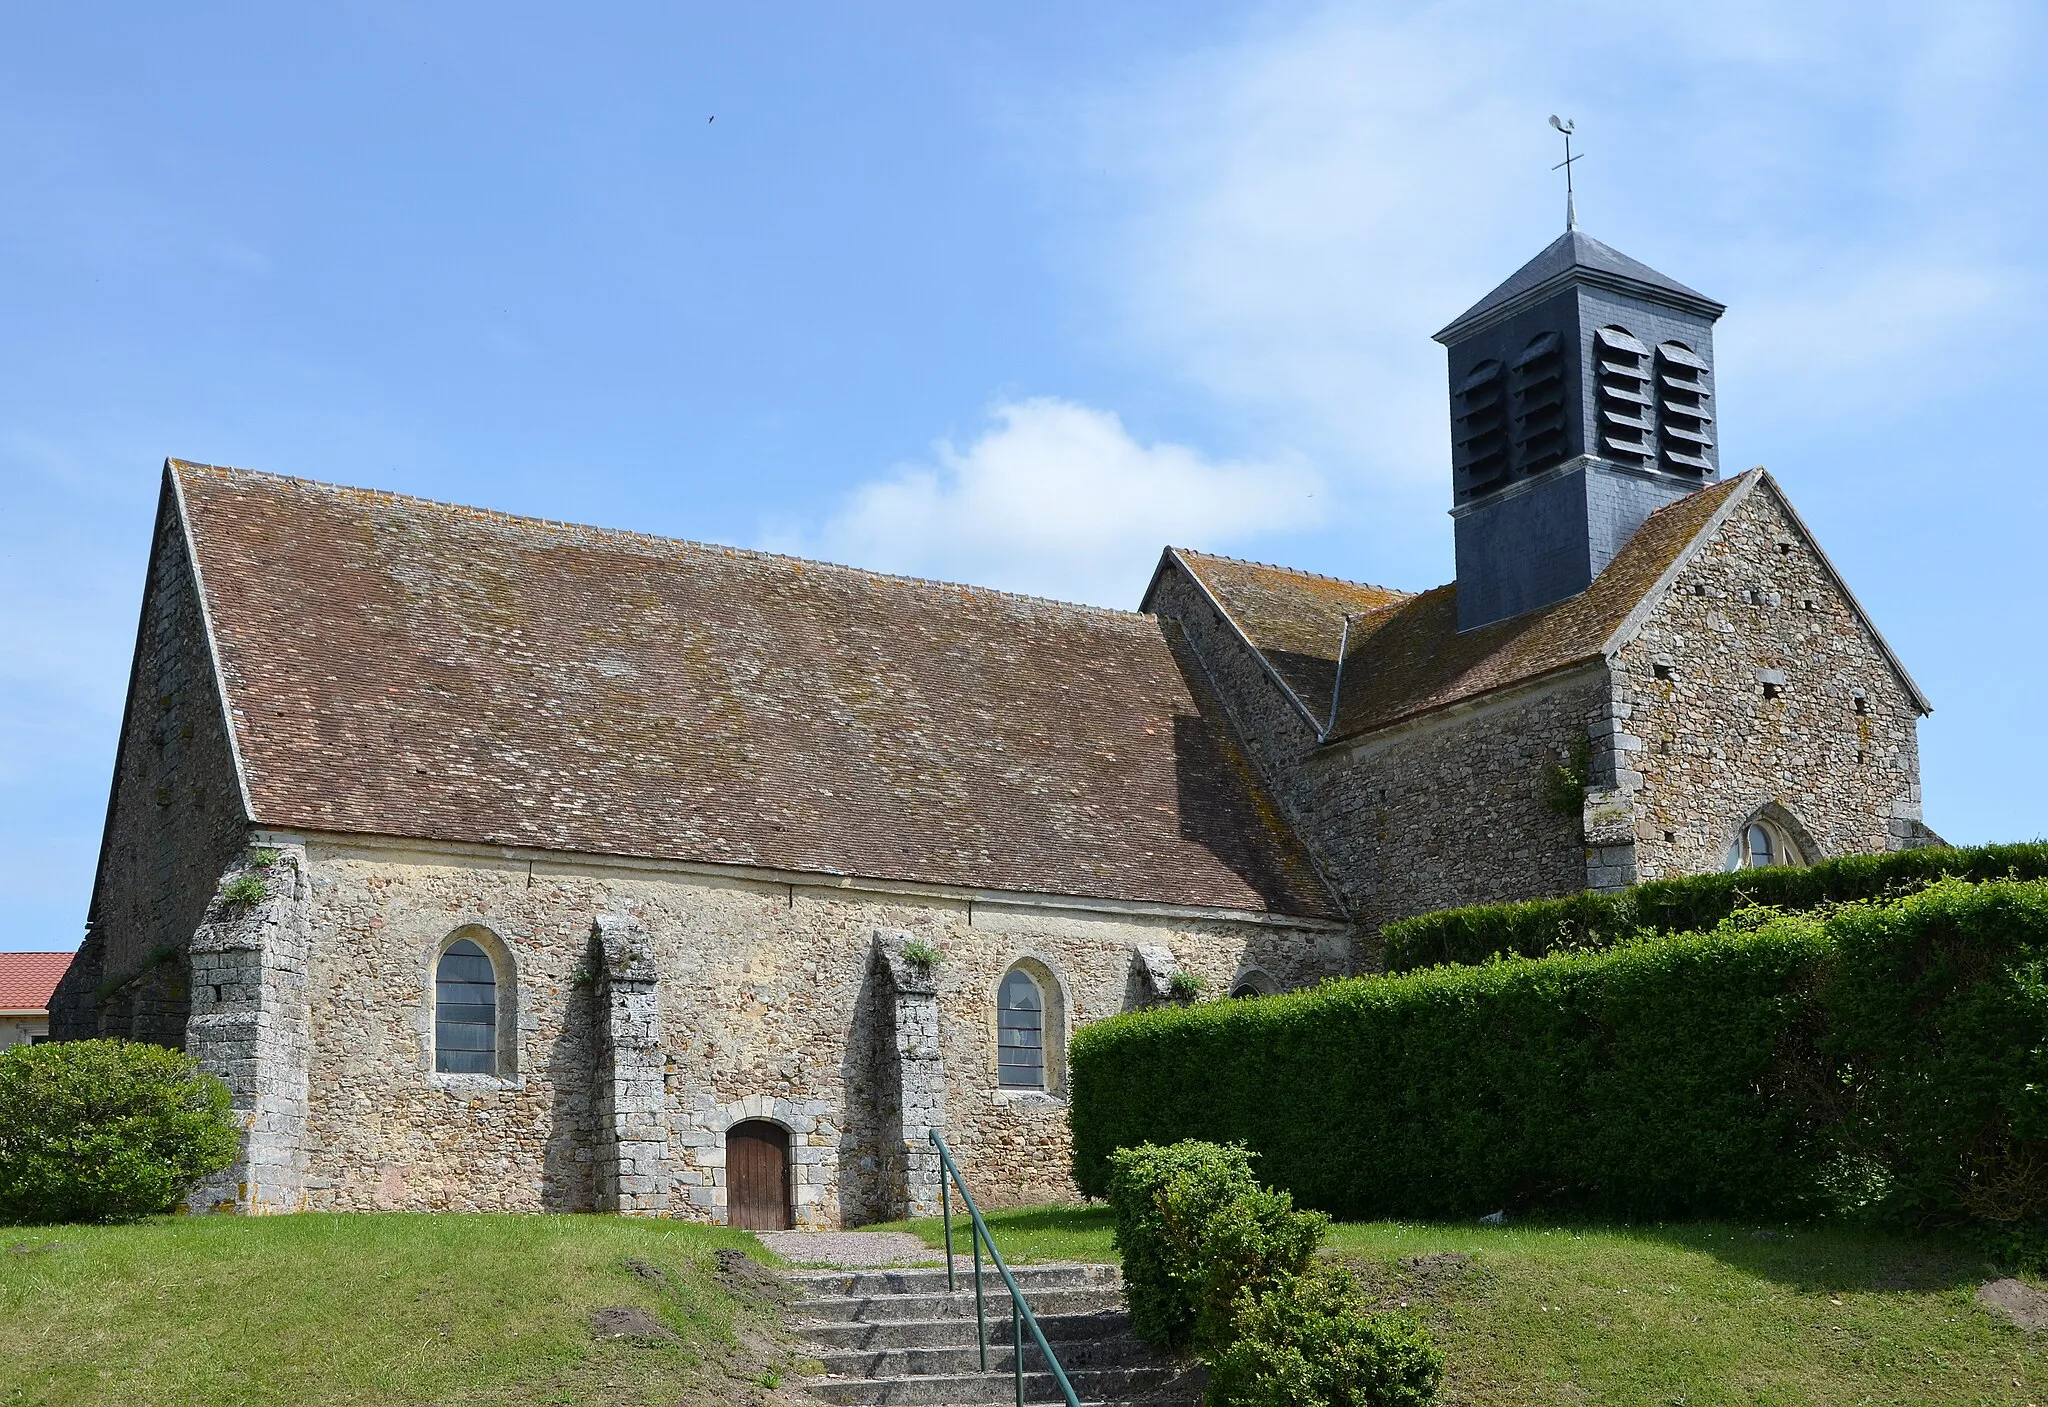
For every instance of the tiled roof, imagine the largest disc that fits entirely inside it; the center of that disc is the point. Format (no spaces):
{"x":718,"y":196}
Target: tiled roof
{"x":1295,"y":619}
{"x":406,"y":668}
{"x":1408,"y":657}
{"x":27,"y":979}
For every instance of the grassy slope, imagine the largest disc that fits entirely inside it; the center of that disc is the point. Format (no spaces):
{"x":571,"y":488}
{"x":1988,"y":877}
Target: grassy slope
{"x":1680,"y":1315}
{"x":372,"y":1309}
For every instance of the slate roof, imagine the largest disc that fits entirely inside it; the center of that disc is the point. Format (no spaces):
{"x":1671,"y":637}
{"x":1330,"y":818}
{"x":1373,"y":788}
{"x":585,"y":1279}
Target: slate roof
{"x":28,"y":979}
{"x":1406,"y":657}
{"x":406,"y":668}
{"x":1577,"y":254}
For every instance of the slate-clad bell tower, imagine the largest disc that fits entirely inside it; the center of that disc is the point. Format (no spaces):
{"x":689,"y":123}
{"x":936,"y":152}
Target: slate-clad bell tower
{"x":1582,"y":400}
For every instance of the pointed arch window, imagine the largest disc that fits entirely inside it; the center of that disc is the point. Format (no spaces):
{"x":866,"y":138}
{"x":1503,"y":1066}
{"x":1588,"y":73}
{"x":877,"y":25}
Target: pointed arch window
{"x":465,"y":1011}
{"x":1536,"y":404}
{"x":1020,"y":1032}
{"x":1622,"y":388}
{"x":1761,"y":844}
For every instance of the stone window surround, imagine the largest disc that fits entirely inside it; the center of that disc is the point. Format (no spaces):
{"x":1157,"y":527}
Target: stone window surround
{"x":1052,"y":986}
{"x":1786,"y":833}
{"x":505,"y":965}
{"x":1262,"y":982}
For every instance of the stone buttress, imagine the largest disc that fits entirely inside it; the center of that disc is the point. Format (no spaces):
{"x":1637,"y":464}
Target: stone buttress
{"x":920,"y":1069}
{"x":248,"y":1025}
{"x":632,"y":1088}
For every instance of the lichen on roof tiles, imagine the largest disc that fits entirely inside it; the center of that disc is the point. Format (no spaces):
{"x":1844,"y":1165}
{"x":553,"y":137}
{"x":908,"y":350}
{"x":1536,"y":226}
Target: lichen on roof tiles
{"x":402,"y":667}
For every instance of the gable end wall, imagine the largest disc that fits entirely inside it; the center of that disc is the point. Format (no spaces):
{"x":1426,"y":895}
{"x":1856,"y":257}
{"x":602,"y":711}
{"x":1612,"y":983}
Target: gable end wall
{"x":1710,"y":748}
{"x":174,"y":820}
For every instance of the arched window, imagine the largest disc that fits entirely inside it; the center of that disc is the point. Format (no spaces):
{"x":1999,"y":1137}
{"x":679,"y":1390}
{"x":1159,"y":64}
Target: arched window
{"x":465,"y":1011}
{"x":1760,"y":844}
{"x":1253,"y":982}
{"x":1020,"y":1032}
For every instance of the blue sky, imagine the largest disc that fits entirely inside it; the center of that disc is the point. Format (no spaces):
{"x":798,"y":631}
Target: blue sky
{"x":1009,"y":294}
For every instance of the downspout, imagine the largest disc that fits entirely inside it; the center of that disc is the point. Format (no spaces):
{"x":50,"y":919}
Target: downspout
{"x":1337,"y":685}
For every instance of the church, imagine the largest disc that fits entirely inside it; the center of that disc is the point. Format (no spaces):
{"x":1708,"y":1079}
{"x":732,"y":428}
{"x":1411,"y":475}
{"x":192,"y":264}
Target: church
{"x":513,"y":865}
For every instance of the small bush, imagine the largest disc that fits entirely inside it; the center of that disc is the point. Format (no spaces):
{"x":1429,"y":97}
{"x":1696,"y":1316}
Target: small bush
{"x":1251,"y":1243}
{"x":1693,"y":904}
{"x":1162,"y":1199}
{"x":1309,"y":1340}
{"x":106,"y":1130}
{"x":1187,"y":986}
{"x":919,"y":953}
{"x":243,"y":891}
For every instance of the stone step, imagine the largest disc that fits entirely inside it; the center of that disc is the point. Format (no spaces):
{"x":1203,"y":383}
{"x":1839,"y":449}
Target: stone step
{"x":1124,"y":1351}
{"x":929,"y":1280}
{"x":962,"y":1389}
{"x":875,"y":1309}
{"x":950,"y":1333}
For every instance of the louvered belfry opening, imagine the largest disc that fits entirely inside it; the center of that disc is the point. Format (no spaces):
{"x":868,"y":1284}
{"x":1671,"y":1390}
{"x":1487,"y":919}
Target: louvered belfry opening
{"x":1581,"y":402}
{"x":1536,"y":404}
{"x":1684,"y":403}
{"x":1622,"y":390}
{"x":1479,"y":429}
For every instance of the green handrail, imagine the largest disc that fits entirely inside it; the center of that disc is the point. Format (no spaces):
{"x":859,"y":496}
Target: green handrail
{"x":1020,"y":1312}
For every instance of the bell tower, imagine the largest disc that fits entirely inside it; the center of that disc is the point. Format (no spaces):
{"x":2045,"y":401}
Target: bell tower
{"x":1582,"y":400}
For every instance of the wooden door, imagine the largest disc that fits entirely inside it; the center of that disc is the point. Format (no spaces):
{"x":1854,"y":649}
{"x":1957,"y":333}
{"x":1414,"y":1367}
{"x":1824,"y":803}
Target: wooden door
{"x":757,"y":1176}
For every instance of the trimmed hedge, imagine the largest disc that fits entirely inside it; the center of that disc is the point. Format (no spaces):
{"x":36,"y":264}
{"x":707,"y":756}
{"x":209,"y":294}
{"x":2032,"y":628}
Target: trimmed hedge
{"x":1693,"y":904}
{"x":1890,"y":1055}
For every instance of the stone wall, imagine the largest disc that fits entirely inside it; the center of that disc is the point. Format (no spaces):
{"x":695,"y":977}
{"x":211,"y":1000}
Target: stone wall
{"x":1457,"y":807}
{"x":770,"y":1006}
{"x":1833,"y":743}
{"x":174,"y":822}
{"x":1449,"y":809}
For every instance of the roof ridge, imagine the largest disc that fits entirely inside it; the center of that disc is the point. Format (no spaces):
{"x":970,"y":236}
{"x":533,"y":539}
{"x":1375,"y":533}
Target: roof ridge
{"x":1296,"y":571}
{"x":633,"y":535}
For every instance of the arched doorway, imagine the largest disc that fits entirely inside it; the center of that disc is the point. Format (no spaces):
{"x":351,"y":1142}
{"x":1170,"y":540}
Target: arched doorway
{"x":757,"y":1176}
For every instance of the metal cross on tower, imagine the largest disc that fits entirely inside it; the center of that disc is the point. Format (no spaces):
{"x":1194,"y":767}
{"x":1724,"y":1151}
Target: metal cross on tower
{"x":1567,"y":127}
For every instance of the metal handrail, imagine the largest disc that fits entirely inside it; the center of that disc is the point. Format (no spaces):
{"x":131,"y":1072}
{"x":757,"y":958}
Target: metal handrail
{"x":1020,"y":1312}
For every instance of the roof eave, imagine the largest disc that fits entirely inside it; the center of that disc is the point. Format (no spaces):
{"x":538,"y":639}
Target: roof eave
{"x":1483,"y":316}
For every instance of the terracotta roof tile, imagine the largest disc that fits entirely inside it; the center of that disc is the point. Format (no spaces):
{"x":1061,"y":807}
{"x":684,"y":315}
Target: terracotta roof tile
{"x":1294,"y":618}
{"x":27,"y":979}
{"x":1408,"y":657}
{"x":417,"y":669}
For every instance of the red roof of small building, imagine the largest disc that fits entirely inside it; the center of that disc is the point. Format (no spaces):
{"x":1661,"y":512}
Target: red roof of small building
{"x":27,"y":979}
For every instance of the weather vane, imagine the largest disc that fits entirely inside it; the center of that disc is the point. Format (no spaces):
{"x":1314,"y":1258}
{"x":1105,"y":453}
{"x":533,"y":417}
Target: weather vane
{"x":1571,"y":211}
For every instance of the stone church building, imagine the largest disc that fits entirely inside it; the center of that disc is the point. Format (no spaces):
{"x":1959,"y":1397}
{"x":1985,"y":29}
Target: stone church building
{"x":503,"y":864}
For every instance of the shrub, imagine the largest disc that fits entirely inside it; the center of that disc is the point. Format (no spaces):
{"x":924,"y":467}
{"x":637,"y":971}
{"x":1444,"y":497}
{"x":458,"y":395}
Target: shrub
{"x":1162,"y":1199}
{"x":106,"y":1130}
{"x":1891,"y":1056}
{"x":1695,"y":903}
{"x":1254,"y":1241}
{"x":1309,"y":1340}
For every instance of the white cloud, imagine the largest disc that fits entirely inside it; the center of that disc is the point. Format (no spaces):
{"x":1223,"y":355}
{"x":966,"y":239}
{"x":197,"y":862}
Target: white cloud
{"x":1058,"y":499}
{"x":1292,"y":213}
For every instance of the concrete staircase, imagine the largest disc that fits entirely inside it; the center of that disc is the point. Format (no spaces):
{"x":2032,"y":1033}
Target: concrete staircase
{"x":897,"y":1336}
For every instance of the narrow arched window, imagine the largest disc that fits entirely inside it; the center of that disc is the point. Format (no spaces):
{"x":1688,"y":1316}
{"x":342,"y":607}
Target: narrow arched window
{"x":1020,"y":1032}
{"x":465,"y":1011}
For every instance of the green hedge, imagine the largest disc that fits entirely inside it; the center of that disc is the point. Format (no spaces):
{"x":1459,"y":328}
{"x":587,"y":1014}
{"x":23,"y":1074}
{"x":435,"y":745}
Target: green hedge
{"x":1693,"y":904}
{"x":1890,"y":1054}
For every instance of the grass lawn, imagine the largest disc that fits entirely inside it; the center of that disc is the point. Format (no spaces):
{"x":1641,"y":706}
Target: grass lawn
{"x":1687,"y":1315}
{"x":378,"y":1309}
